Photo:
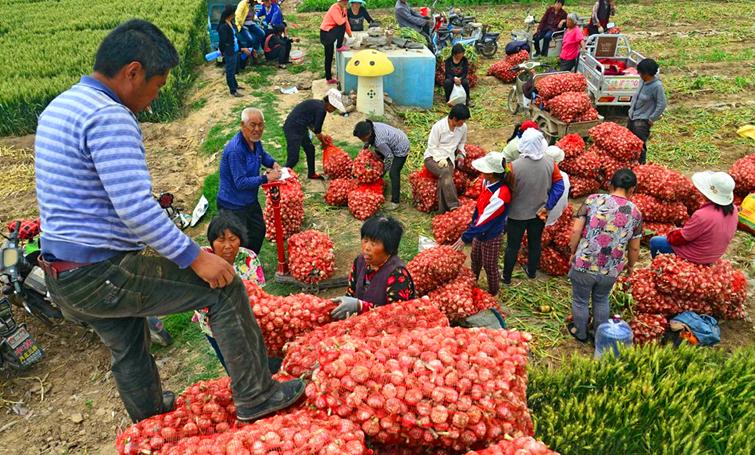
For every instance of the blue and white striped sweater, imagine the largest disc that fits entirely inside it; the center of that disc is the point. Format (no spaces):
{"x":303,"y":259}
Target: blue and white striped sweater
{"x":93,"y":186}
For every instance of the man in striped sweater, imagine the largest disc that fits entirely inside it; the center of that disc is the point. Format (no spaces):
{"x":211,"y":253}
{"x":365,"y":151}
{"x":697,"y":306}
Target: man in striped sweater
{"x":98,"y":214}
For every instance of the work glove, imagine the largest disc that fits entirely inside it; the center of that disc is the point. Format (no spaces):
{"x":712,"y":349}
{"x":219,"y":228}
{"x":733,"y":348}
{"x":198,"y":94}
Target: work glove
{"x":442,"y":163}
{"x":347,"y":306}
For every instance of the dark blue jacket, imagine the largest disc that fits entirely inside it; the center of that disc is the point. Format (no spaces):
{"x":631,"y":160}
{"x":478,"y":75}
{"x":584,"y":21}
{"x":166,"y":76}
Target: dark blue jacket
{"x":274,"y":17}
{"x":240,"y":177}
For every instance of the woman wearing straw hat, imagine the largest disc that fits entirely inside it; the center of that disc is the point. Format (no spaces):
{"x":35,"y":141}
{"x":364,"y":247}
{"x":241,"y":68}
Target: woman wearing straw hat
{"x":706,"y":235}
{"x":489,"y":218}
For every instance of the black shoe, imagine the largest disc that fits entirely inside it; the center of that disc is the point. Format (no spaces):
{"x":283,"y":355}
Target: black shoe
{"x":536,"y":54}
{"x":527,"y":272}
{"x":507,"y":281}
{"x":237,"y":95}
{"x":169,"y":401}
{"x":288,"y":394}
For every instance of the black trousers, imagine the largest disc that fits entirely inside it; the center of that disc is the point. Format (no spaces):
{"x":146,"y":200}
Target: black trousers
{"x":299,"y":139}
{"x":252,"y":219}
{"x":514,"y":233}
{"x":448,"y":86}
{"x":328,"y":40}
{"x":231,"y":61}
{"x":395,"y":174}
{"x":280,"y":53}
{"x":641,"y":129}
{"x":567,"y":65}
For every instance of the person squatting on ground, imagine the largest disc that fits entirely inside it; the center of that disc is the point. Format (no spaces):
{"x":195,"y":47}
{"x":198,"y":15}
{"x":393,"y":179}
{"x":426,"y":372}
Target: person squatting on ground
{"x":391,"y":146}
{"x":457,"y":71}
{"x":97,"y":211}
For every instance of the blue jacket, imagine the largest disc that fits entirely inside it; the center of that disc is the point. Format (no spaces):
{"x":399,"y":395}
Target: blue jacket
{"x":274,"y":17}
{"x":240,"y":177}
{"x":489,"y":217}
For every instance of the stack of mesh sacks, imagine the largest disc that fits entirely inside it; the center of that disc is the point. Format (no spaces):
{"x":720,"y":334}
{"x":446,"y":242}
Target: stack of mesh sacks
{"x":671,"y":285}
{"x":554,"y":259}
{"x":565,"y":96}
{"x":357,"y":184}
{"x":502,"y":69}
{"x":439,"y":273}
{"x":665,"y":198}
{"x":425,"y":185}
{"x":613,"y":147}
{"x":291,"y":208}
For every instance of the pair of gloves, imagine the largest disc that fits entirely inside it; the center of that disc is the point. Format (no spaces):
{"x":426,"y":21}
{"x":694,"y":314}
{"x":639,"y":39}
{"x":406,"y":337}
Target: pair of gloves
{"x":347,"y":306}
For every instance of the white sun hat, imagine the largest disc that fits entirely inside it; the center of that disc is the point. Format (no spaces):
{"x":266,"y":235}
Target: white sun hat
{"x":718,"y":187}
{"x":492,"y":163}
{"x":556,"y":153}
{"x":334,"y":98}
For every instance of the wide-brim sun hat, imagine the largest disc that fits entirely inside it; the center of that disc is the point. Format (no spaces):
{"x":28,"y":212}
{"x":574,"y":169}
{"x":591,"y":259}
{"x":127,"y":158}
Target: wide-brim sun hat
{"x":717,"y":187}
{"x":492,"y":163}
{"x":334,"y":98}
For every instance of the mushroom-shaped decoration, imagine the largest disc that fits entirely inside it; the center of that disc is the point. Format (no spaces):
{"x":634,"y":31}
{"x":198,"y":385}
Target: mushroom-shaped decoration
{"x":370,"y":66}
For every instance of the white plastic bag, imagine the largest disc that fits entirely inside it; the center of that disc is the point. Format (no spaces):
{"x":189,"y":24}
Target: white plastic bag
{"x":458,"y":95}
{"x":425,"y":243}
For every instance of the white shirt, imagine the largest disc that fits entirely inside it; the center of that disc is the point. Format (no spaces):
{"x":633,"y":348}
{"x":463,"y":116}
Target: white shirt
{"x":560,"y":206}
{"x":443,"y":143}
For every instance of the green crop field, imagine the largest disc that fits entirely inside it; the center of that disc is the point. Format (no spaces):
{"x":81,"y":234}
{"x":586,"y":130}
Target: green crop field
{"x":47,"y":46}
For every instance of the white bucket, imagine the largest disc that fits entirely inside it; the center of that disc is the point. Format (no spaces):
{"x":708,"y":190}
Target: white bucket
{"x":296,"y":57}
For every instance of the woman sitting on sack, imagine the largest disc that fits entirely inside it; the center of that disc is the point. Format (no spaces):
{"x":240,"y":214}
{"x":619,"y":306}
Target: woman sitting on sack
{"x":378,"y":276}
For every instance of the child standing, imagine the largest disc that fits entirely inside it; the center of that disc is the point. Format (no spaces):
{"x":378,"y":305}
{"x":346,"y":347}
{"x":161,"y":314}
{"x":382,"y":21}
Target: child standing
{"x":485,"y":232}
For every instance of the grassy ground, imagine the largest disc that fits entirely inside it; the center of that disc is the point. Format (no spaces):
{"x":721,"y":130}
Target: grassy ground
{"x":696,"y":133}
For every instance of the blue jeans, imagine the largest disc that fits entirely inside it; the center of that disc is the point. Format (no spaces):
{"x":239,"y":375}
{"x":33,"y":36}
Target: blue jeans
{"x":546,"y":37}
{"x":253,"y":37}
{"x":659,"y":245}
{"x":586,"y":287}
{"x":231,"y":63}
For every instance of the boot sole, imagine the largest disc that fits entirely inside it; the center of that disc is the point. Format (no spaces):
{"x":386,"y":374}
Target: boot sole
{"x":272,"y":410}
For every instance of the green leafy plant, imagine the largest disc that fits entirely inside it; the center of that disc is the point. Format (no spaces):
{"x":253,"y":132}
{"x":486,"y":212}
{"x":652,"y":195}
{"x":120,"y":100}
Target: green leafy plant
{"x":651,"y":400}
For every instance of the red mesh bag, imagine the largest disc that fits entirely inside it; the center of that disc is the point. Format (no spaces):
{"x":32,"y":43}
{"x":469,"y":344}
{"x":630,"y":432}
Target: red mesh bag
{"x":648,"y":328}
{"x":455,"y":299}
{"x":743,"y":173}
{"x":434,"y":267}
{"x":586,"y":165}
{"x":310,"y":256}
{"x":587,"y":116}
{"x":363,"y":203}
{"x":550,"y":86}
{"x":336,"y":163}
{"x":474,"y":189}
{"x":502,"y":69}
{"x":302,"y":432}
{"x":440,"y":387}
{"x":662,"y":212}
{"x":572,"y":144}
{"x":663,"y":183}
{"x":647,"y":298}
{"x":338,"y":191}
{"x":472,"y":152}
{"x":283,"y":319}
{"x":291,"y":208}
{"x":460,"y":181}
{"x":302,"y":353}
{"x":424,"y":191}
{"x":28,"y":229}
{"x":652,"y":228}
{"x":552,"y":261}
{"x":570,"y":106}
{"x":609,"y":165}
{"x":367,"y":167}
{"x":448,"y":227}
{"x":523,"y":445}
{"x":582,"y":186}
{"x":617,"y":141}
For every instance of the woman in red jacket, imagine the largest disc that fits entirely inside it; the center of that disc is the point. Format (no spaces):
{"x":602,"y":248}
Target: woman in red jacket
{"x":334,"y":25}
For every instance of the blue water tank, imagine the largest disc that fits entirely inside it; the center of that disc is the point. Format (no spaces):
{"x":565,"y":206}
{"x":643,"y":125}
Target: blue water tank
{"x":610,"y":335}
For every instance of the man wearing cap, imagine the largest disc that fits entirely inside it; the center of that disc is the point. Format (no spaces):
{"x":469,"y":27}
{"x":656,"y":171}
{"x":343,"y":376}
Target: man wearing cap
{"x":309,"y":115}
{"x":557,"y":155}
{"x":240,"y":177}
{"x":706,"y":235}
{"x":488,"y":219}
{"x":445,"y":146}
{"x":511,"y":151}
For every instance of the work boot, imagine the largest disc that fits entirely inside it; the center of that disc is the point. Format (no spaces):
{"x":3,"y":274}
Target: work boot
{"x":390,"y":206}
{"x":157,"y":332}
{"x":288,"y":394}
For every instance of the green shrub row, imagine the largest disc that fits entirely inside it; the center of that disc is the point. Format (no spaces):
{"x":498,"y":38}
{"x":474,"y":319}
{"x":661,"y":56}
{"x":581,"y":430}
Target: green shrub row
{"x":50,"y":45}
{"x":650,"y":401}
